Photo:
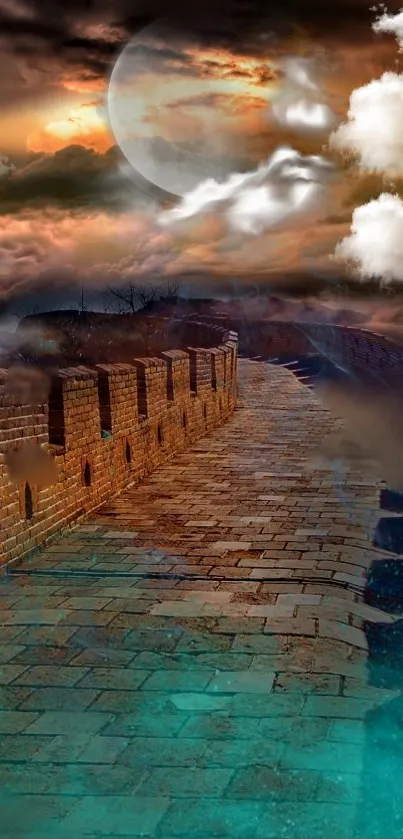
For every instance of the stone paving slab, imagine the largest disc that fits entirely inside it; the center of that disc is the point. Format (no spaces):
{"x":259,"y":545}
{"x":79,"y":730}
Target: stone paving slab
{"x":194,"y":660}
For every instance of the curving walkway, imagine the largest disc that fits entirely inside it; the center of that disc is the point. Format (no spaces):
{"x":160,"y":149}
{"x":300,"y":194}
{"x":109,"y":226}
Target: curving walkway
{"x":199,"y":659}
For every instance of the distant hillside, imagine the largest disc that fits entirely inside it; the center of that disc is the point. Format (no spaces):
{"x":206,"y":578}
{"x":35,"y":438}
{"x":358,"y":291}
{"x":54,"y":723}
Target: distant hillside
{"x":261,"y":307}
{"x":68,"y":337}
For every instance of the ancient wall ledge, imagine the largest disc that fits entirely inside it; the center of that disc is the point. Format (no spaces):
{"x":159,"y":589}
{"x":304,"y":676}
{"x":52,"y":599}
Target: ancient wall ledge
{"x":357,"y":348}
{"x":107,"y":428}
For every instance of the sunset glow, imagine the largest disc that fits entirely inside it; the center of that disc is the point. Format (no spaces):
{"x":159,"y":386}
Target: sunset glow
{"x":83,"y":125}
{"x":81,"y":186}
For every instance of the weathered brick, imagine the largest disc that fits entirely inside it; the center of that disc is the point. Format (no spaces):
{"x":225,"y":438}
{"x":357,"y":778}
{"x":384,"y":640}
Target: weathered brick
{"x":186,"y":697}
{"x":104,"y":428}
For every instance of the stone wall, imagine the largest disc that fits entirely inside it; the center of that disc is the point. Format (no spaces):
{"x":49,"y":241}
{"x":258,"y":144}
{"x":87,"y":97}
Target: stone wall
{"x":107,"y":427}
{"x":354,"y":348}
{"x":269,"y":339}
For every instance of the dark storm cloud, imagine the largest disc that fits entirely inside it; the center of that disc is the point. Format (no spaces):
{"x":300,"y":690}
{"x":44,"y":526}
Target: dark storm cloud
{"x":72,"y":178}
{"x":255,"y":24}
{"x":148,"y":58}
{"x":32,"y":28}
{"x":86,"y":37}
{"x":91,"y":46}
{"x":158,"y":54}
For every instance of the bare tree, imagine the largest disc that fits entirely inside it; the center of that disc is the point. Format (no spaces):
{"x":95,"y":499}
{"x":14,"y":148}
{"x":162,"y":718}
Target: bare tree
{"x":123,"y":299}
{"x":171,"y":291}
{"x":130,"y":298}
{"x":146,"y":295}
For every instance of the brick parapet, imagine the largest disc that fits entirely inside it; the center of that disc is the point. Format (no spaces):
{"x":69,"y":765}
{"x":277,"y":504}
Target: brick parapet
{"x":105,"y":428}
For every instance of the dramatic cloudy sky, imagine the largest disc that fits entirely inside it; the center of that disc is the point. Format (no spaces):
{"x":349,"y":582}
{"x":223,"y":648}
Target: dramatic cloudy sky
{"x":70,"y":213}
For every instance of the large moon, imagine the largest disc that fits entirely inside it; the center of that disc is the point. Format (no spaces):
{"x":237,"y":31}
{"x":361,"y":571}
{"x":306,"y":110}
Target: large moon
{"x":179,"y":112}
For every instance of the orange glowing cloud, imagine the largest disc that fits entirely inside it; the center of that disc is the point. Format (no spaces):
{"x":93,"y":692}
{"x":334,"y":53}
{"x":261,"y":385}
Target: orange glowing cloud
{"x":222,"y":64}
{"x":82,"y":125}
{"x":83,"y":85}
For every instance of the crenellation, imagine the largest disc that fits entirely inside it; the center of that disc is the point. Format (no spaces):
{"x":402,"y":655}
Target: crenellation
{"x":104,"y":428}
{"x":178,"y":374}
{"x":217,"y":368}
{"x":232,"y":347}
{"x":200,"y":369}
{"x":151,"y":384}
{"x":120,"y":398}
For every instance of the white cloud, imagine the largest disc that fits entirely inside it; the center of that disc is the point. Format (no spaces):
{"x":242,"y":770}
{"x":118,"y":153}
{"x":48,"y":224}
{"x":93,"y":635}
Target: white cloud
{"x":299,"y":73}
{"x":5,"y":166}
{"x":297,"y":106}
{"x":303,"y":115}
{"x":287,"y":184}
{"x":373,"y":131}
{"x":375,"y":244}
{"x":373,"y":134}
{"x":391,"y":24}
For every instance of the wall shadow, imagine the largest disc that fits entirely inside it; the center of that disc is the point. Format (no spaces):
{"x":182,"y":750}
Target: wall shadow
{"x":391,"y":501}
{"x":311,"y":369}
{"x":380,"y":808}
{"x":389,"y":534}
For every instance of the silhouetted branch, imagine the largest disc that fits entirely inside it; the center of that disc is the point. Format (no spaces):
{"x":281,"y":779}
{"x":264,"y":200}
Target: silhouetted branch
{"x":131,"y":298}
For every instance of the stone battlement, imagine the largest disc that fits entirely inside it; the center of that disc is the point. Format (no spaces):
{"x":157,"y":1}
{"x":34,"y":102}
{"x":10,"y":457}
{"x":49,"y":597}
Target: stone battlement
{"x":107,"y":427}
{"x":359,"y":350}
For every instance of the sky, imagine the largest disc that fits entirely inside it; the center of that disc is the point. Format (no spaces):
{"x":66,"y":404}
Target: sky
{"x":195,"y":92}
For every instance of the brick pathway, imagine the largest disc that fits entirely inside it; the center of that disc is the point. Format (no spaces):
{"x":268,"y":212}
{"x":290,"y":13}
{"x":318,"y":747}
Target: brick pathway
{"x":193,"y":661}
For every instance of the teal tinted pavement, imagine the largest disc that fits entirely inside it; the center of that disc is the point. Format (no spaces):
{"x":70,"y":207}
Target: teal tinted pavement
{"x":197,"y":659}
